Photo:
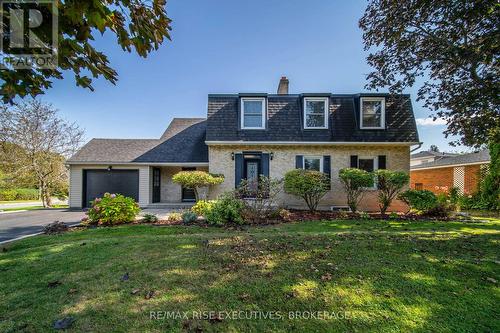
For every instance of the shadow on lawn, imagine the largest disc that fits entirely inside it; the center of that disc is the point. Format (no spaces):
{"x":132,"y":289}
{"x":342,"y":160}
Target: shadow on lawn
{"x":384,"y":282}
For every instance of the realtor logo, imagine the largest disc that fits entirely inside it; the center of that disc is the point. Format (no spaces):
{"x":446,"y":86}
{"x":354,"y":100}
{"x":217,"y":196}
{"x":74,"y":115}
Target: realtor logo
{"x":28,"y":34}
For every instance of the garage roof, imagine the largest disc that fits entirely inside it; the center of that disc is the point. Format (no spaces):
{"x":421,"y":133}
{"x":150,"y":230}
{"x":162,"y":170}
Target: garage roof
{"x":182,"y":142}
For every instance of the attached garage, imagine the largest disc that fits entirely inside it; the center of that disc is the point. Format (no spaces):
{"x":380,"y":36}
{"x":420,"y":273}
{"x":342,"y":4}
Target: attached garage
{"x":98,"y":182}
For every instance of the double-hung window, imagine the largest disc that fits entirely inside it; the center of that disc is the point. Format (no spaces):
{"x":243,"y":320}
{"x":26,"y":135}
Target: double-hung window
{"x":313,"y":163}
{"x":369,"y":164}
{"x":253,"y":113}
{"x":372,"y":112}
{"x":315,"y":113}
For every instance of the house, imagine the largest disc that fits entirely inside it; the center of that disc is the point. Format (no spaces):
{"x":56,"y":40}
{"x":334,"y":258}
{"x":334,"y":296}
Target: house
{"x":251,"y":134}
{"x":445,"y":171}
{"x":427,"y":156}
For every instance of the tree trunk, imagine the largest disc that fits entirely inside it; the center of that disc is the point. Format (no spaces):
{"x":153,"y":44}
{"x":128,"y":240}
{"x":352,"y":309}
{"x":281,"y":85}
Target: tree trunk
{"x":45,"y":195}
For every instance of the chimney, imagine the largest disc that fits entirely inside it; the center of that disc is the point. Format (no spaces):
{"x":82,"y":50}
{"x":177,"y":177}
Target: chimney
{"x":283,"y":86}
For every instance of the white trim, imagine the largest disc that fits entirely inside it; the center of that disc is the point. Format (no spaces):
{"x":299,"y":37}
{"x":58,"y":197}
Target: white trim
{"x":308,"y":143}
{"x":325,"y":113}
{"x":449,"y":165}
{"x":382,"y":118}
{"x":320,"y":158}
{"x":262,"y":100}
{"x":138,"y":163}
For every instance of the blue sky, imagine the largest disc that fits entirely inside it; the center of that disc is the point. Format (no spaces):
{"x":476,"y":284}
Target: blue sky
{"x":226,"y":46}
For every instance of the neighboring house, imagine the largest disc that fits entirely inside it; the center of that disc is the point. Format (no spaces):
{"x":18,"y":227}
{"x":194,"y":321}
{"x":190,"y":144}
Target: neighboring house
{"x":449,"y":170}
{"x":427,"y":156}
{"x":247,"y":135}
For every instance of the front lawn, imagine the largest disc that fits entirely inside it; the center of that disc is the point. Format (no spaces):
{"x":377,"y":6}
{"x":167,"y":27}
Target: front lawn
{"x":384,"y":276}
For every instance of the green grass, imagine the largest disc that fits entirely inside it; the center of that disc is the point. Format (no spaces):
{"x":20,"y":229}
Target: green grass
{"x":32,"y":208}
{"x":385,"y":276}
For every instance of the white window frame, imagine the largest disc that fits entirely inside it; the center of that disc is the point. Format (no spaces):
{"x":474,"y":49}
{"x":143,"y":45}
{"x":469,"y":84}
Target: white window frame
{"x":382,"y":116}
{"x":312,"y":157}
{"x":242,"y":111}
{"x":316,"y":99}
{"x":375,"y":168}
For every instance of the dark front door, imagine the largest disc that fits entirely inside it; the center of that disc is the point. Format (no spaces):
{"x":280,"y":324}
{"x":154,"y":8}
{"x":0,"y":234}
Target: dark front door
{"x":156,"y":185}
{"x":251,"y":174}
{"x":98,"y":182}
{"x":188,"y":193}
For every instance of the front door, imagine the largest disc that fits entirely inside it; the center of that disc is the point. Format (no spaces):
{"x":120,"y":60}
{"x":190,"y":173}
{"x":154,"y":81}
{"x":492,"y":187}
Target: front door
{"x":156,"y":185}
{"x":188,"y":193}
{"x":252,"y":174}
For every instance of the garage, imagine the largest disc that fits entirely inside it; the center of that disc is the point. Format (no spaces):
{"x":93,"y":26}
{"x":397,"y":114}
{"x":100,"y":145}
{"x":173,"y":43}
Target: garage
{"x":98,"y":182}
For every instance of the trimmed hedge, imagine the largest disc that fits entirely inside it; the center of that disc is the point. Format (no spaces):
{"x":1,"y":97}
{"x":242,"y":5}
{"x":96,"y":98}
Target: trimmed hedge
{"x":19,"y":194}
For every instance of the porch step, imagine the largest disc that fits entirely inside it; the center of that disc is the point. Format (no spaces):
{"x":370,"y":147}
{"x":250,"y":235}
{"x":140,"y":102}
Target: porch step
{"x":173,"y":205}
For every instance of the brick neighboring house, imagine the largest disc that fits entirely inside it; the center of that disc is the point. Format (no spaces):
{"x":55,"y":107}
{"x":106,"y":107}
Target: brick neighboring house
{"x":439,"y":172}
{"x":252,"y":134}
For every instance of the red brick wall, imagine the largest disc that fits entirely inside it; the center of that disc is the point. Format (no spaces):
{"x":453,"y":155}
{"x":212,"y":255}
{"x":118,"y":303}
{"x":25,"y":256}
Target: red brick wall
{"x":441,"y":179}
{"x":435,"y":180}
{"x":472,"y":177}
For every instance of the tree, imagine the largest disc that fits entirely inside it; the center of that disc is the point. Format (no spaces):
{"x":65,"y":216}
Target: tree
{"x":355,"y":181}
{"x":434,"y":148}
{"x":140,"y":25}
{"x":309,"y":185}
{"x":490,"y":186}
{"x":35,"y":140}
{"x":389,"y":184}
{"x":454,"y":45}
{"x":196,"y":180}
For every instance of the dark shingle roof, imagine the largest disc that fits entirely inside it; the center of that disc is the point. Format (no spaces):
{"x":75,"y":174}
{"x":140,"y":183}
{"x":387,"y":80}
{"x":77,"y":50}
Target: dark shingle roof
{"x":284,"y":120}
{"x":481,"y":156}
{"x":182,"y":142}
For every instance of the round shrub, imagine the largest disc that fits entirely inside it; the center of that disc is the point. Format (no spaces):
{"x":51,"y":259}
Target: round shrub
{"x":226,"y":210}
{"x":150,"y":218}
{"x":202,"y":207}
{"x":189,"y":217}
{"x":422,"y":200}
{"x":307,"y":184}
{"x":196,"y":179}
{"x":355,"y":181}
{"x":113,"y":209}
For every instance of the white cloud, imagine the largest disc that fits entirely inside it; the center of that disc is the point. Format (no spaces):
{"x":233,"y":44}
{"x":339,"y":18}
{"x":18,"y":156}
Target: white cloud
{"x":431,"y":122}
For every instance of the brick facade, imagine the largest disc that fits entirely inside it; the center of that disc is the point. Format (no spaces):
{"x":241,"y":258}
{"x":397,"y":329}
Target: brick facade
{"x":441,"y":180}
{"x":398,"y":158}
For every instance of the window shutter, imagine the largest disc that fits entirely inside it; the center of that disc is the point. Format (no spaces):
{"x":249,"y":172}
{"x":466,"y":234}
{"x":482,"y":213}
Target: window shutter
{"x":238,"y":169}
{"x":265,"y":164}
{"x":327,"y":169}
{"x":299,"y":162}
{"x":382,"y":161}
{"x":354,"y":161}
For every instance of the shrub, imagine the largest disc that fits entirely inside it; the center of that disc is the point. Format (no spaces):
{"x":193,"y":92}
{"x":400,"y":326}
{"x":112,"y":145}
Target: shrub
{"x":262,"y":198}
{"x":19,"y":194}
{"x":489,"y":187}
{"x":364,"y":215}
{"x":421,"y":200}
{"x":150,"y":218}
{"x":197,"y":179}
{"x":389,"y":184}
{"x":226,"y":210}
{"x":113,"y":209}
{"x":202,"y":207}
{"x":307,"y":184}
{"x":355,"y":181}
{"x":393,"y":216}
{"x":189,"y":217}
{"x":174,"y":217}
{"x":454,"y":197}
{"x":285,"y":214}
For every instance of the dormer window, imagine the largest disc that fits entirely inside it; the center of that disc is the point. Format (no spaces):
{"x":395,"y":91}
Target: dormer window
{"x":253,"y":113}
{"x":315,"y":113}
{"x":372,"y":113}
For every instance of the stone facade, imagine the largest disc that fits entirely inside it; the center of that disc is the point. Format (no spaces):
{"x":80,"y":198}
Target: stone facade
{"x":170,"y":191}
{"x":398,"y":158}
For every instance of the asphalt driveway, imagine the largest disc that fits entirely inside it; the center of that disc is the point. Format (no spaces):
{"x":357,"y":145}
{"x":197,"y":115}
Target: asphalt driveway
{"x":13,"y":225}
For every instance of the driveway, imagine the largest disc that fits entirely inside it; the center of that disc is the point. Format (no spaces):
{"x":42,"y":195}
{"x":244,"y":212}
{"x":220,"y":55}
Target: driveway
{"x":13,"y":225}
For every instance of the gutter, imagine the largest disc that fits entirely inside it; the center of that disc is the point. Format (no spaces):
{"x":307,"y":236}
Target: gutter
{"x":136,"y":163}
{"x":449,"y":165}
{"x":418,"y":147}
{"x":308,"y":143}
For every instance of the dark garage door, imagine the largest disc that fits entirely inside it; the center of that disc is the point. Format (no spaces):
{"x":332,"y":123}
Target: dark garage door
{"x":98,"y":182}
